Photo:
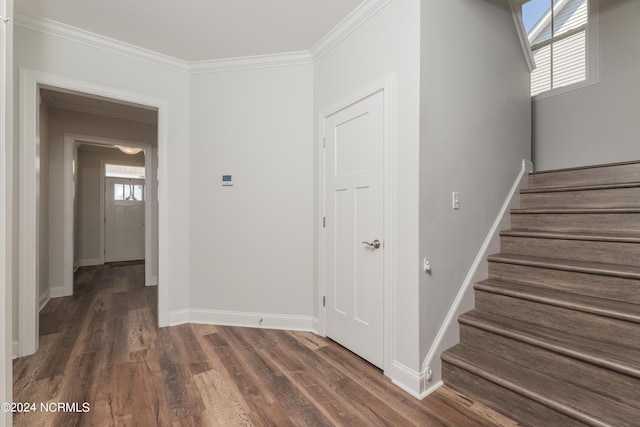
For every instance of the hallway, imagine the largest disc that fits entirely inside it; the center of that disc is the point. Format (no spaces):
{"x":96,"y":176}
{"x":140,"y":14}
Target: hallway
{"x":102,"y":347}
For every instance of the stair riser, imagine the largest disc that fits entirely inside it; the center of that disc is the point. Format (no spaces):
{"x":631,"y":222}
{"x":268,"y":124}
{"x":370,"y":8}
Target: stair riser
{"x":607,"y":287}
{"x":563,"y":319}
{"x":578,"y":250}
{"x":611,"y":384}
{"x":610,"y":198}
{"x":507,"y":402}
{"x":578,"y":222}
{"x":613,"y":174}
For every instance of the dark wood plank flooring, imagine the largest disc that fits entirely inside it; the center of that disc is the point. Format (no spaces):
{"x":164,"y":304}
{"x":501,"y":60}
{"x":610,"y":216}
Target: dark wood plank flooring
{"x":102,"y":346}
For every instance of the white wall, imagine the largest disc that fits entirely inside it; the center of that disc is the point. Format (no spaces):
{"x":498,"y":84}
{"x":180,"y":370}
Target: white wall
{"x":119,"y":73}
{"x":88,"y":219}
{"x":598,"y":123}
{"x":43,"y":218}
{"x":388,"y":43}
{"x":475,"y":131}
{"x":251,"y":245}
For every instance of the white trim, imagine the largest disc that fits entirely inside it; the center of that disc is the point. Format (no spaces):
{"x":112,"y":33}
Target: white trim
{"x":251,"y":62}
{"x":516,"y":11}
{"x":492,"y":238}
{"x":57,"y":292}
{"x":252,"y":320}
{"x":30,"y":81}
{"x":179,"y":317}
{"x":69,"y":183}
{"x":387,"y":86}
{"x":89,"y":262}
{"x":244,"y":319}
{"x":85,"y":37}
{"x":414,"y":383}
{"x":408,"y":379}
{"x":14,"y":352}
{"x":348,"y":25}
{"x":28,"y":323}
{"x":44,"y":299}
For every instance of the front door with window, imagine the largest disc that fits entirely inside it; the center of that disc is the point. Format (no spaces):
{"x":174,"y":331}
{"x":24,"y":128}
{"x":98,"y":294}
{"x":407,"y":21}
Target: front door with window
{"x":124,"y":219}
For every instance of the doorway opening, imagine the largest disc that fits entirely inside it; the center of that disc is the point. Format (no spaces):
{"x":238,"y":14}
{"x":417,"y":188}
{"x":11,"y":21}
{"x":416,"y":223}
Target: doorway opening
{"x":93,"y":103}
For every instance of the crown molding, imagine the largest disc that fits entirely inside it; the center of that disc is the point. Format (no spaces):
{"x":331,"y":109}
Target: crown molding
{"x":348,"y":25}
{"x":354,"y":20}
{"x":68,"y":32}
{"x":250,"y":62}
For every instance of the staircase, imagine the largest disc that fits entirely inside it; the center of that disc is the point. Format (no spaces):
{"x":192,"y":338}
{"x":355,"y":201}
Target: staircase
{"x":554,"y":339}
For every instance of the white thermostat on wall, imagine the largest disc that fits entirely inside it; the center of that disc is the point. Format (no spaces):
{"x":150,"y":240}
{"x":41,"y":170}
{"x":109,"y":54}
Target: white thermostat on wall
{"x":227,"y":181}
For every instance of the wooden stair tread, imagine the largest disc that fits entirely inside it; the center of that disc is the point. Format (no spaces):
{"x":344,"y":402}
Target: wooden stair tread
{"x":600,"y":237}
{"x":538,"y":211}
{"x":579,"y":168}
{"x":579,"y":188}
{"x":618,"y":270}
{"x":603,"y":307}
{"x":618,"y":358}
{"x":595,"y":409}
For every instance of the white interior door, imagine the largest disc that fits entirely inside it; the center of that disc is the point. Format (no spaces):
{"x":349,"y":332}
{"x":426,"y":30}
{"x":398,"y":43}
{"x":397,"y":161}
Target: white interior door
{"x":124,"y":219}
{"x":354,"y":228}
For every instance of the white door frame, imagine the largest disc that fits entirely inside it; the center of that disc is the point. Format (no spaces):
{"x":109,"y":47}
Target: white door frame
{"x":71,"y":140}
{"x":387,"y":86}
{"x":30,"y":83}
{"x":6,"y":194}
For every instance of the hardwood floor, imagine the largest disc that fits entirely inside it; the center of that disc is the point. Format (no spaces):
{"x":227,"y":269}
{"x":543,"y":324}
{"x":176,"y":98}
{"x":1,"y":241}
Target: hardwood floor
{"x":102,"y":347}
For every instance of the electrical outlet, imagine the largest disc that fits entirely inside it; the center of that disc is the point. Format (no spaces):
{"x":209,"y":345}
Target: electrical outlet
{"x":426,"y":266}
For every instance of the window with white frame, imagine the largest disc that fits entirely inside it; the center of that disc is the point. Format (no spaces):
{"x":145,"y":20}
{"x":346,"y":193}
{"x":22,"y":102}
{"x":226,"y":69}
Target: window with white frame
{"x":559,"y":33}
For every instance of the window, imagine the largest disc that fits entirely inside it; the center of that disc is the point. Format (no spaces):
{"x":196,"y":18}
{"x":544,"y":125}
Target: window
{"x":128,"y":192}
{"x":124,"y":171}
{"x":559,"y":33}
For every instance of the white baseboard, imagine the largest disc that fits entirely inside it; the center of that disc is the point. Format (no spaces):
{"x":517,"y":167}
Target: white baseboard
{"x":244,"y":319}
{"x":448,"y":333}
{"x":56,"y":292}
{"x":44,"y":298}
{"x":413,"y":382}
{"x":178,"y":317}
{"x":14,"y":349}
{"x":89,"y":262}
{"x":406,"y":378}
{"x":154,"y":281}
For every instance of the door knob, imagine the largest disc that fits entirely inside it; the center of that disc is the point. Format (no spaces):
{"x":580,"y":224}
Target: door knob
{"x":374,"y":245}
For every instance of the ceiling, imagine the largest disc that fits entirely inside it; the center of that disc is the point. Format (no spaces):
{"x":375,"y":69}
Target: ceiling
{"x":201,"y":30}
{"x":99,"y":106}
